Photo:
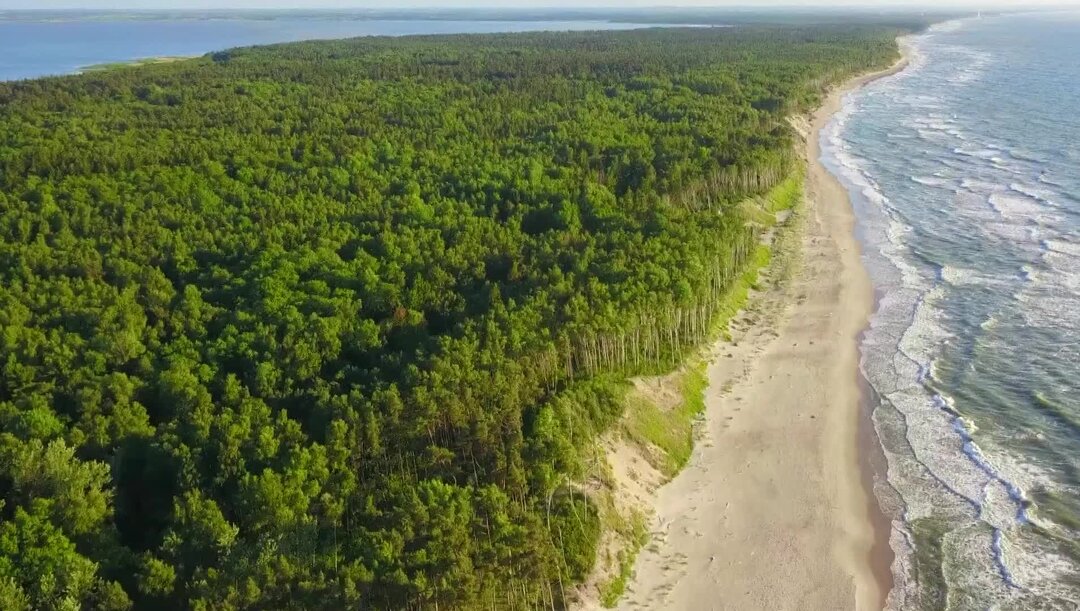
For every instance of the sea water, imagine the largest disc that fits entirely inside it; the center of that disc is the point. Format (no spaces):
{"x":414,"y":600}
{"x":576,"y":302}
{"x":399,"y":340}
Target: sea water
{"x":52,"y":44}
{"x":964,"y":170}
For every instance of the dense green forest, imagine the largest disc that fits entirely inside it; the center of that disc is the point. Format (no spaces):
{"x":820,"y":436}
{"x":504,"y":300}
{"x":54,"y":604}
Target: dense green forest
{"x":326,"y":325}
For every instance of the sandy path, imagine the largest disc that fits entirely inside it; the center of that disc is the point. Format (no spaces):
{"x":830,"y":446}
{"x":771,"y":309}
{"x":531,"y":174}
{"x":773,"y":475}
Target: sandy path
{"x":772,"y":512}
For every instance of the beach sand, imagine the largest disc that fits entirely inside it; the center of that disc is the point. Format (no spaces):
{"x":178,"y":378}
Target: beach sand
{"x":773,"y":511}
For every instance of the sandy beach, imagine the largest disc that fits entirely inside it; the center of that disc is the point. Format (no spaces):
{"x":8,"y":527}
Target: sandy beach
{"x":773,"y":511}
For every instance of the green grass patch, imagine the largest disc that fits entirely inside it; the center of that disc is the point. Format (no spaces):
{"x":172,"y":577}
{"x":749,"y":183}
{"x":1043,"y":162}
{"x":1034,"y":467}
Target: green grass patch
{"x":671,"y":431}
{"x":762,"y":209}
{"x":146,"y":61}
{"x":787,"y":194}
{"x":739,"y":293}
{"x":666,"y":433}
{"x":784,"y":196}
{"x":637,"y":535}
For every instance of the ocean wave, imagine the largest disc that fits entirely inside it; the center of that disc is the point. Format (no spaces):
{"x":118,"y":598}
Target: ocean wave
{"x":1063,"y":246}
{"x":1045,"y":196}
{"x":1018,"y":501}
{"x":930,"y":181}
{"x":958,"y":134}
{"x":1049,"y":311}
{"x":1027,"y":475}
{"x":1045,"y":573}
{"x":1057,"y":276}
{"x":1046,"y":179}
{"x":940,"y":438}
{"x":1029,"y":273}
{"x":983,"y":153}
{"x":1057,"y":412}
{"x":999,"y":218}
{"x":965,"y":276}
{"x":1014,"y":233}
{"x":935,"y":432}
{"x":923,"y":101}
{"x":930,"y":135}
{"x":1025,"y":155}
{"x":1016,"y":206}
{"x":979,"y":186}
{"x":1063,"y":269}
{"x":934,"y":465}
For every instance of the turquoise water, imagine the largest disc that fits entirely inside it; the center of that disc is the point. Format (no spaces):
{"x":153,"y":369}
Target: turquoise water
{"x":44,"y":47}
{"x":965,"y":174}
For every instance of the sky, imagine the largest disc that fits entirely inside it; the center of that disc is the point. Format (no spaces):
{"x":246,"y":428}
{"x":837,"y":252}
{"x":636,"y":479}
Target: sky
{"x":220,"y":4}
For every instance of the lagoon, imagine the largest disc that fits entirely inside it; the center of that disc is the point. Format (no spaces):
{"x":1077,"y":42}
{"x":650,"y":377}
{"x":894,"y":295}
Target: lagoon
{"x":33,"y":45}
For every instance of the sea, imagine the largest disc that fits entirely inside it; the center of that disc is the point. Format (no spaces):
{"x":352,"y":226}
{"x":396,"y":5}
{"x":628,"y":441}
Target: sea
{"x":49,"y":43}
{"x":964,"y":170}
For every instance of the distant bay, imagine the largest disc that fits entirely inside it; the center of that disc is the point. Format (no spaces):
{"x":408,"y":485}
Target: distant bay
{"x":31,"y":48}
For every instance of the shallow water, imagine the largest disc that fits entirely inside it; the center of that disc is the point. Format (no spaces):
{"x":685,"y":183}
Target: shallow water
{"x":965,"y":173}
{"x":30,"y":49}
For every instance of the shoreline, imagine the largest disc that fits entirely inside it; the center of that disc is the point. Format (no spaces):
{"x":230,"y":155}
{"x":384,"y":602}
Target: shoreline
{"x":776,"y":507}
{"x":869,"y":456}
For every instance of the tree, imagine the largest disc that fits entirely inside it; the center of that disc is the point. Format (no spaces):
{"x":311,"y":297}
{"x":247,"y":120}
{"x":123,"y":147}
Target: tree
{"x":330,"y":324}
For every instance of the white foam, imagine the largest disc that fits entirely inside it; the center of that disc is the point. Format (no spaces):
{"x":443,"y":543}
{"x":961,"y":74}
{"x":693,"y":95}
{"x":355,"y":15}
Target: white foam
{"x":1049,"y":311}
{"x":972,"y":565}
{"x":1012,"y":232}
{"x":1025,"y":155}
{"x":1045,"y":196}
{"x":1062,"y":276}
{"x":1047,"y":179}
{"x":1064,"y":247}
{"x":1026,"y":475}
{"x":946,"y":26}
{"x":1042,"y":571}
{"x":979,"y":186}
{"x":984,"y":153}
{"x":1016,"y":206}
{"x":930,"y":181}
{"x":934,"y":466}
{"x":931,"y":135}
{"x":964,"y":276}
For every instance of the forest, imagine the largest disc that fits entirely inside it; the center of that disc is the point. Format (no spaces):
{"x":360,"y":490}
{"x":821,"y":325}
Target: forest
{"x":326,"y":325}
